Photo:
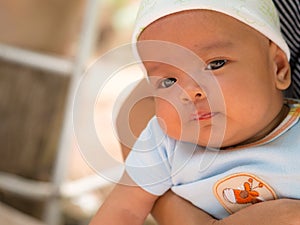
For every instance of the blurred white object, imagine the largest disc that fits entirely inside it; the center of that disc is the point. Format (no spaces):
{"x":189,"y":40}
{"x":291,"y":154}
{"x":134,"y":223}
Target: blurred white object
{"x":51,"y":63}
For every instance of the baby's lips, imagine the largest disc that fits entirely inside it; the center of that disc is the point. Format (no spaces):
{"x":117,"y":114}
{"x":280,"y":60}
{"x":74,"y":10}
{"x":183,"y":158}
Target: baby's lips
{"x":202,"y":115}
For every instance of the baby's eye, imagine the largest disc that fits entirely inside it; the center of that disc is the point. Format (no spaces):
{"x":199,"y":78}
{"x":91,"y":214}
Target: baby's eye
{"x":217,"y":64}
{"x":167,"y":82}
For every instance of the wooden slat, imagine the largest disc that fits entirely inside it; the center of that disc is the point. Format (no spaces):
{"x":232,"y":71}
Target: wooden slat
{"x":11,"y":216}
{"x":52,"y":63}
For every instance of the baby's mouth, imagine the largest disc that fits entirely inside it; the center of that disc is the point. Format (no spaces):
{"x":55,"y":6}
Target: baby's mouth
{"x":203,"y":115}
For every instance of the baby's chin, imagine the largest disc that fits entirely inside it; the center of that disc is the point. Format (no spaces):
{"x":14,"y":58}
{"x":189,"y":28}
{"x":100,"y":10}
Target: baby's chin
{"x":214,"y":143}
{"x":208,"y":138}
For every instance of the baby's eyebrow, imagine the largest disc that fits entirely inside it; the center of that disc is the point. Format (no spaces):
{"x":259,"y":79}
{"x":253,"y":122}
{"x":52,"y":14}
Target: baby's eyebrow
{"x":152,"y":68}
{"x":213,"y":45}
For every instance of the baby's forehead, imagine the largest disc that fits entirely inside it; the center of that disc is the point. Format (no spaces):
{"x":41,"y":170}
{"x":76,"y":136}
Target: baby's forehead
{"x":200,"y":31}
{"x":195,"y":20}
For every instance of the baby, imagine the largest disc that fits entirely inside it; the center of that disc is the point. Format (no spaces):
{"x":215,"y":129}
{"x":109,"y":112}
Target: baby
{"x":223,"y":136}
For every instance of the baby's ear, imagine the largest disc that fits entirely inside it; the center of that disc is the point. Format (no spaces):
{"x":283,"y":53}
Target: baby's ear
{"x":282,"y":67}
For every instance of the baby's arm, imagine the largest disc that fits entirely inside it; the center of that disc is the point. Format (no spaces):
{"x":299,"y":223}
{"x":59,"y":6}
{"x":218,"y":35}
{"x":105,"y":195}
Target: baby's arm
{"x":126,"y":204}
{"x":172,"y":209}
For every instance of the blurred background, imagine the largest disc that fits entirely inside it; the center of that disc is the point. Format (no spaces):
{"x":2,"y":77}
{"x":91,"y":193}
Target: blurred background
{"x":45,"y":46}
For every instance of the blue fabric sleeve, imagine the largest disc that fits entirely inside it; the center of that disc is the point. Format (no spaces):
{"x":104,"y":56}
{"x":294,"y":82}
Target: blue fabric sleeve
{"x":148,"y":163}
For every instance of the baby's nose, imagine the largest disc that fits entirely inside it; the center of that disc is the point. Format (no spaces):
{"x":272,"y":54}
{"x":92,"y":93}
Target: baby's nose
{"x":192,"y":95}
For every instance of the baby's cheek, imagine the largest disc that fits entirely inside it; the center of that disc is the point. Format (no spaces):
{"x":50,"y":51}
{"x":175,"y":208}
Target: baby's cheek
{"x":169,"y":118}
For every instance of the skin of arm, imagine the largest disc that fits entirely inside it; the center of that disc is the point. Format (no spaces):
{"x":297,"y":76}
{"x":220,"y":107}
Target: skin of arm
{"x":172,"y":209}
{"x":126,"y":204}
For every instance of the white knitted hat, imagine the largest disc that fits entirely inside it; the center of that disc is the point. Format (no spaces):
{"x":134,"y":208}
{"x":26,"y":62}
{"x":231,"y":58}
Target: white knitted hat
{"x":258,"y":14}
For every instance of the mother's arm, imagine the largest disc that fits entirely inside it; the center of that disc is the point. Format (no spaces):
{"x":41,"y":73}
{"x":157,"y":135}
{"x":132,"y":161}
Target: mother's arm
{"x":174,"y":210}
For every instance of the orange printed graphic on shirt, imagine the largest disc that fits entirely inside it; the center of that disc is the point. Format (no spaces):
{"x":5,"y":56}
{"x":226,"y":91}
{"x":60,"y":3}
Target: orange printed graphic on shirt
{"x":240,"y":190}
{"x":243,"y":196}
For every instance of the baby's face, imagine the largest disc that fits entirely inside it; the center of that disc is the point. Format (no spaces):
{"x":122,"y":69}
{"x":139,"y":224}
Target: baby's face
{"x":232,"y":93}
